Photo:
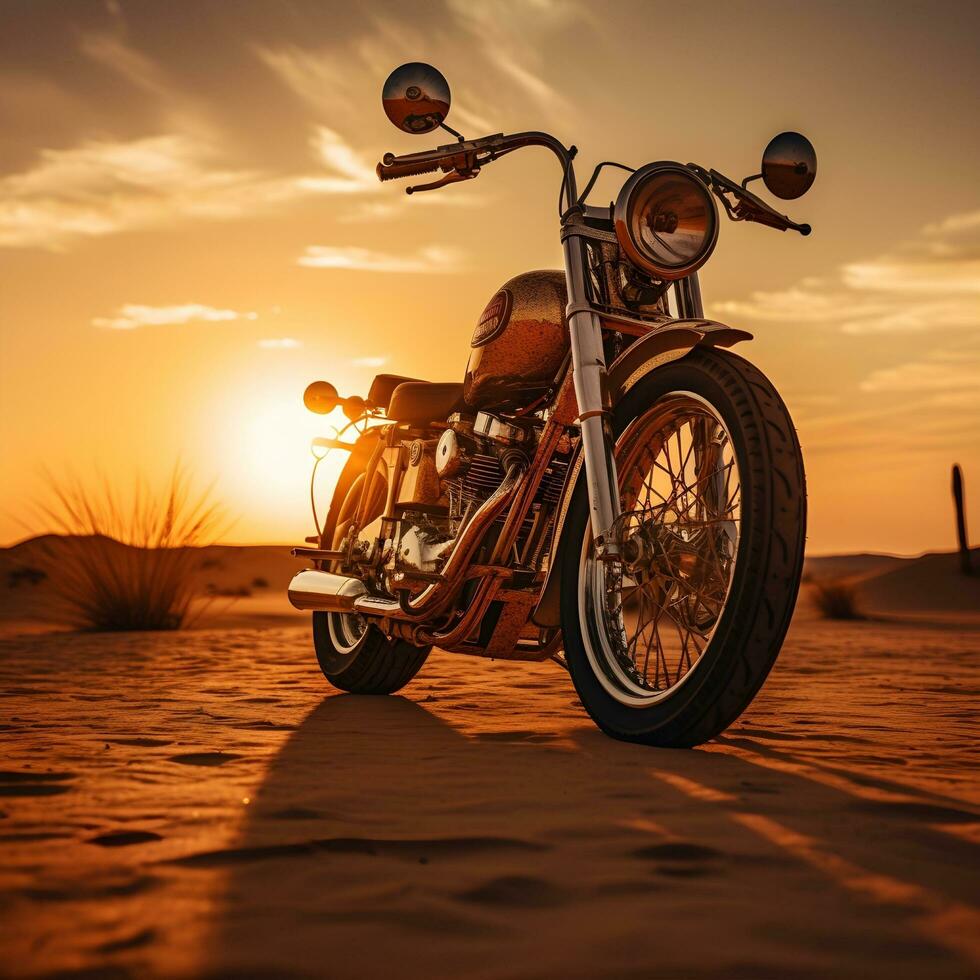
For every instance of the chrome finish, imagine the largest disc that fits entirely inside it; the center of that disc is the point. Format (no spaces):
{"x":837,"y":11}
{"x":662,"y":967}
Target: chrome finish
{"x":416,"y":98}
{"x":666,"y":220}
{"x":491,"y":427}
{"x":449,"y":457}
{"x":687,"y":297}
{"x":648,"y":620}
{"x":432,"y":600}
{"x":589,"y":376}
{"x":789,"y":165}
{"x":324,"y":591}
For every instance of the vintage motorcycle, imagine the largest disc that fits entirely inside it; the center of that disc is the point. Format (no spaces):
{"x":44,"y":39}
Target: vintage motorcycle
{"x":609,"y":486}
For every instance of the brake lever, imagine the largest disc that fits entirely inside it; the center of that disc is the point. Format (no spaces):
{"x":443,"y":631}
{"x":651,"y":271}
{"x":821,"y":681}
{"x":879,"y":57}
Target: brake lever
{"x":453,"y":177}
{"x":747,"y":206}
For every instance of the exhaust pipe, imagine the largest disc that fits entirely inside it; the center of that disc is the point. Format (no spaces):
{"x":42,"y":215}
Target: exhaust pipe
{"x":324,"y":591}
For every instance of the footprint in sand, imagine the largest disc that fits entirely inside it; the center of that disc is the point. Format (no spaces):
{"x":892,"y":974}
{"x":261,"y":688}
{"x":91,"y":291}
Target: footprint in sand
{"x":16,"y":783}
{"x":125,"y":838}
{"x":204,"y":758}
{"x":680,"y":858}
{"x":515,"y":891}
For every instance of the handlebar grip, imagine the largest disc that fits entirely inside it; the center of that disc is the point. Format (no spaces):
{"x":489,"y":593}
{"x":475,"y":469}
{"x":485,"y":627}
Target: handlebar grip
{"x":391,"y":171}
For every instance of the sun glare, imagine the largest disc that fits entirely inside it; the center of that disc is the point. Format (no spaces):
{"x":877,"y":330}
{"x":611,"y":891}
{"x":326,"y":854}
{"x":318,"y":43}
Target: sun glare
{"x":265,"y":461}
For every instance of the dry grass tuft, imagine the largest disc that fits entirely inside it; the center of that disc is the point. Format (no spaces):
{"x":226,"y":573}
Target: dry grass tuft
{"x":836,"y":598}
{"x":127,"y":564}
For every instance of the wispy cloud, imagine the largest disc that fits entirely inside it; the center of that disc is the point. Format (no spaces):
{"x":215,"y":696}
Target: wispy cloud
{"x":934,"y":374}
{"x":103,"y":187}
{"x":280,"y":343}
{"x":370,"y":362}
{"x":131,"y":316}
{"x":348,"y":172}
{"x":434,"y":258}
{"x":929,"y":283}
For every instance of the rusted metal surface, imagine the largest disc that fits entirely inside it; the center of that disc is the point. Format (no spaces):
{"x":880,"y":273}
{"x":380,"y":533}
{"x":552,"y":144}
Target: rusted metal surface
{"x":517,"y":362}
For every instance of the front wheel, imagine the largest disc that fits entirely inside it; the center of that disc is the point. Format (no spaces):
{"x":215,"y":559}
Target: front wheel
{"x":669,"y":645}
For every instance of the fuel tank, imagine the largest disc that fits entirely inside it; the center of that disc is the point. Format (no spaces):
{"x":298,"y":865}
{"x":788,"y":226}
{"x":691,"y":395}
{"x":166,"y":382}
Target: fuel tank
{"x":519,"y":343}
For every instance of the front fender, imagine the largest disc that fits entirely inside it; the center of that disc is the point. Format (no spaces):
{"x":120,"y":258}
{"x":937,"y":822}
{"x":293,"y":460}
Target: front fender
{"x":653,"y":350}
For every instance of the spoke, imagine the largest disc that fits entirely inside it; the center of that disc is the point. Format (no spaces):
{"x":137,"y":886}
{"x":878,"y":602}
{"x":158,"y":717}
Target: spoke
{"x":681,"y":495}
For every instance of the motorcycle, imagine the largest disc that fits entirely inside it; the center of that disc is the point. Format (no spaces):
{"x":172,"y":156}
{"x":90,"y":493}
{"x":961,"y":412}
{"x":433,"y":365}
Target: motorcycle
{"x":609,"y":487}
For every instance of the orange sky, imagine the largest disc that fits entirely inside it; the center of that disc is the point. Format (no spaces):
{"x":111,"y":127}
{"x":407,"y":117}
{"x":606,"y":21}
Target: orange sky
{"x":190,"y":228}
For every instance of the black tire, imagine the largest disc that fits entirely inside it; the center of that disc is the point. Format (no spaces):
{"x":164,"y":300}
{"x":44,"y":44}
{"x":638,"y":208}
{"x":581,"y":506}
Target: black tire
{"x":769,"y":559}
{"x":374,"y":665}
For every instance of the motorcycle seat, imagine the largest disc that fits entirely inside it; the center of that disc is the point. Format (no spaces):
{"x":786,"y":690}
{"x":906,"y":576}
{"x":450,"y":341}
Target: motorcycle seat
{"x":420,"y":402}
{"x":383,"y":387}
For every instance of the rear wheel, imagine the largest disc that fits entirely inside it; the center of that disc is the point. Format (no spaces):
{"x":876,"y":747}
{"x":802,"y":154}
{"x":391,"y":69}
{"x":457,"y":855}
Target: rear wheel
{"x":353,"y":655}
{"x":670,"y":645}
{"x":358,"y":658}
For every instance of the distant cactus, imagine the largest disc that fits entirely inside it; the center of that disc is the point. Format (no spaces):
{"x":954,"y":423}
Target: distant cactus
{"x":965,"y":564}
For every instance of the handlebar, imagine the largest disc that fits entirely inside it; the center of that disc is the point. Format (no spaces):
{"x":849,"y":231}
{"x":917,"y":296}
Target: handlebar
{"x":393,"y":170}
{"x":463,"y":160}
{"x":746,"y":206}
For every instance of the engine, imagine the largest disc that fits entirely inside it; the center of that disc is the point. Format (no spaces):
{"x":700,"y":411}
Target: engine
{"x":469,"y":462}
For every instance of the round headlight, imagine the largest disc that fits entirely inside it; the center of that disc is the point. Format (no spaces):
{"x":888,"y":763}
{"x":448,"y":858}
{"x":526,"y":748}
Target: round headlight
{"x":666,"y":220}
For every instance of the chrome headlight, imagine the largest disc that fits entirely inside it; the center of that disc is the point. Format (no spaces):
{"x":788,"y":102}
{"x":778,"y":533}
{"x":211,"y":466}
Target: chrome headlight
{"x":666,"y":220}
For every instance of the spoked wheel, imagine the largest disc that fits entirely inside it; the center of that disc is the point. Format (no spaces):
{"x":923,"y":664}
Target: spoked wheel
{"x":669,"y":644}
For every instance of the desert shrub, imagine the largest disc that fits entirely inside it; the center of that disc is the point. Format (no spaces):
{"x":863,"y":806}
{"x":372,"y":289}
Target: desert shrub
{"x":127,"y":563}
{"x":229,"y":592}
{"x":260,"y":583}
{"x":836,"y":598}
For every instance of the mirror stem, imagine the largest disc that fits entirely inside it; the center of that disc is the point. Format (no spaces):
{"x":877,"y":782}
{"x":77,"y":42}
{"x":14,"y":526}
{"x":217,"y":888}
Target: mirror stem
{"x":458,"y":136}
{"x":747,"y":180}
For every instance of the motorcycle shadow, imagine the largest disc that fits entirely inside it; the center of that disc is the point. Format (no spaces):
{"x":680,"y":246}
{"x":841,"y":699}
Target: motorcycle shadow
{"x":389,"y":837}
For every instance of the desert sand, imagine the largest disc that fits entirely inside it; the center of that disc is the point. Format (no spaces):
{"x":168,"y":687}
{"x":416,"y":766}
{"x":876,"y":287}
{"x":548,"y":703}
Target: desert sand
{"x":202,"y":803}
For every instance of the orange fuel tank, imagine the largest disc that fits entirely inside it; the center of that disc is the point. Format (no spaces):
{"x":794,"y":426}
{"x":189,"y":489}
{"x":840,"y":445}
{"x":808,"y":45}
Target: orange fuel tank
{"x":519,"y":343}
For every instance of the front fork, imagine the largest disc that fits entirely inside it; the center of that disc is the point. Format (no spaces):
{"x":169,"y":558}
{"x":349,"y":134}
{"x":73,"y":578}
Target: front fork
{"x":592,"y":389}
{"x":592,"y":396}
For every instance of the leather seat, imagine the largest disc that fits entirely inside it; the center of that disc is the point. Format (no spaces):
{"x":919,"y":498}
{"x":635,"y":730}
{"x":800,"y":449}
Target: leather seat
{"x":383,"y":387}
{"x":420,"y":402}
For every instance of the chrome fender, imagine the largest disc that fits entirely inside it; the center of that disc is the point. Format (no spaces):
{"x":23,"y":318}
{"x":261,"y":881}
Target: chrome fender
{"x":661,"y":346}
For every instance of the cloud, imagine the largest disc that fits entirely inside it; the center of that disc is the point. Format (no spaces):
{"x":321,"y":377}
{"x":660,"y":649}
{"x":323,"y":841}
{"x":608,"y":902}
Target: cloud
{"x":434,"y":258}
{"x":930,"y":375}
{"x":351,"y":174}
{"x":929,"y":283}
{"x":104,"y":187}
{"x":280,"y":343}
{"x":133,"y":315}
{"x":370,"y":362}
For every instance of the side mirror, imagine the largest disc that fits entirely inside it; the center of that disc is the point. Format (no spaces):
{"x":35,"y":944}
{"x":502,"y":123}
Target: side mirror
{"x":321,"y":397}
{"x":416,"y":98}
{"x":789,"y":165}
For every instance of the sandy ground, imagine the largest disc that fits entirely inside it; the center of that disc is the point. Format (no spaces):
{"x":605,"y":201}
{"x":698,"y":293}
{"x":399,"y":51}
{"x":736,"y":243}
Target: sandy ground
{"x":201,"y":803}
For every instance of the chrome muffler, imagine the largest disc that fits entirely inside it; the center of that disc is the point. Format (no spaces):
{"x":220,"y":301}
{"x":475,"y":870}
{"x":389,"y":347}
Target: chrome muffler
{"x":324,"y":591}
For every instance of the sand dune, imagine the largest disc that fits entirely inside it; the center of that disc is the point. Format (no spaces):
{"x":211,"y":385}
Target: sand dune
{"x":246,"y":585}
{"x":929,"y":587}
{"x":200,"y":803}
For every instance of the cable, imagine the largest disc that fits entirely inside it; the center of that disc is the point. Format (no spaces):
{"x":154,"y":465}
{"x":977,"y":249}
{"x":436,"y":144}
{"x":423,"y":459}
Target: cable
{"x":595,"y":176}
